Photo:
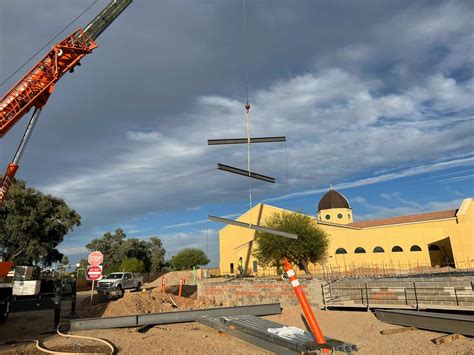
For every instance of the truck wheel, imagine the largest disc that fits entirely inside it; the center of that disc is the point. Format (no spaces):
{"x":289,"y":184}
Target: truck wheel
{"x":120,"y":291}
{"x":139,"y":287}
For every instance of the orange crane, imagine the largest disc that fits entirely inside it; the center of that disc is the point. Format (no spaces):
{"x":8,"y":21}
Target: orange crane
{"x":34,"y":89}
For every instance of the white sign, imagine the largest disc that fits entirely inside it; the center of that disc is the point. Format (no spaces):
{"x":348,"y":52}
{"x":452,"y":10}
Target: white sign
{"x":94,"y":272}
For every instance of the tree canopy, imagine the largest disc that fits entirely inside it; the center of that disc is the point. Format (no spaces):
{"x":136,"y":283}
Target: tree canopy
{"x":33,"y":224}
{"x":116,"y":248}
{"x":311,"y":246}
{"x":132,"y":265}
{"x":188,"y":258}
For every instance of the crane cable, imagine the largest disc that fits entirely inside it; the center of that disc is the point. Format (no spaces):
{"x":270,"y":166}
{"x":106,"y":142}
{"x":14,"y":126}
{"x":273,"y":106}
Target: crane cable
{"x":247,"y":109}
{"x":48,"y":43}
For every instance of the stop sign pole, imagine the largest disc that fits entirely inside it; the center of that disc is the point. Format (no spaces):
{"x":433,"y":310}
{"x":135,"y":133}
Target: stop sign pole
{"x":94,"y":271}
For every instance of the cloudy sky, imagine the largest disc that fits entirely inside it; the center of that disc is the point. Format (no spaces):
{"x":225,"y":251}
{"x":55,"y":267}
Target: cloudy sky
{"x":374,"y":97}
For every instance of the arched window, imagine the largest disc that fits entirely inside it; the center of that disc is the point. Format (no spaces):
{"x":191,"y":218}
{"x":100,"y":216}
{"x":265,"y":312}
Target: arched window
{"x":397,"y":249}
{"x":359,"y":250}
{"x":433,"y":247}
{"x":415,"y":248}
{"x":341,"y":251}
{"x":379,"y":250}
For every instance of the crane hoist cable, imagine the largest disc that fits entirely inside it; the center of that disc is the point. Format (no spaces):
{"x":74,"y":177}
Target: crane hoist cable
{"x":247,"y":108}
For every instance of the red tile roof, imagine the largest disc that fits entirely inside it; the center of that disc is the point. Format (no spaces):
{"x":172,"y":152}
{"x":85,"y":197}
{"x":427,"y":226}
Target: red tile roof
{"x":405,"y":219}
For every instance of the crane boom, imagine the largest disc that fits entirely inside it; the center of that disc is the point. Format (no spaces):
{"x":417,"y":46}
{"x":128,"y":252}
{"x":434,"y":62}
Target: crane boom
{"x":34,"y":89}
{"x":36,"y":86}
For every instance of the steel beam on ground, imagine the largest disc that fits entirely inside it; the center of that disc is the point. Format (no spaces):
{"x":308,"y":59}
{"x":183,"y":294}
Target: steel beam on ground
{"x":440,"y":322}
{"x":172,"y":317}
{"x":255,"y":331}
{"x":252,"y":226}
{"x":215,"y":323}
{"x":246,"y":173}
{"x":245,"y":140}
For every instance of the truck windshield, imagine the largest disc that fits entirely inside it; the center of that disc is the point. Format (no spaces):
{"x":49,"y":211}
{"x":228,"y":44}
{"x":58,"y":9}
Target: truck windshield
{"x":114,"y":276}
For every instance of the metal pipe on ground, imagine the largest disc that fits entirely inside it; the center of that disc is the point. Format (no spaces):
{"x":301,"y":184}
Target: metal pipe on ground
{"x":172,"y":317}
{"x":440,"y":322}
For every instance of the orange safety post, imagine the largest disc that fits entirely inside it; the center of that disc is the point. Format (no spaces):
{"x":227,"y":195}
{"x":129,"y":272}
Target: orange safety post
{"x":163,"y":284}
{"x":308,"y":312}
{"x":181,"y":282}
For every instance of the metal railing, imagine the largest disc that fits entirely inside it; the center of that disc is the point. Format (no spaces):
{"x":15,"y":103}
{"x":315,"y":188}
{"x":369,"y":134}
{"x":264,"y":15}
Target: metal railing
{"x":414,"y":295}
{"x":370,"y":270}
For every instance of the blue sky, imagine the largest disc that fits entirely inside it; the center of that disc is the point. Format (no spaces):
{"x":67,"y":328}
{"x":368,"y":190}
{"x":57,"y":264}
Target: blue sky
{"x":374,"y":97}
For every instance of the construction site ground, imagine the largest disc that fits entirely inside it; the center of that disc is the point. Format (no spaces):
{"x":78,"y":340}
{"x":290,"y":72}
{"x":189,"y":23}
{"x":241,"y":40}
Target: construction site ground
{"x":361,"y":328}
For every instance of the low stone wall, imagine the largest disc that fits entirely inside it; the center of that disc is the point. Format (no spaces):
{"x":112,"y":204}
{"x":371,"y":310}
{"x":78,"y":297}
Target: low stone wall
{"x":439,"y":291}
{"x":258,"y":291}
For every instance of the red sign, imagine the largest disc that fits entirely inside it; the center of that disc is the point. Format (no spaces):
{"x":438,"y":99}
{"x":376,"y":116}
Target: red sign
{"x":95,"y":258}
{"x":94,"y":272}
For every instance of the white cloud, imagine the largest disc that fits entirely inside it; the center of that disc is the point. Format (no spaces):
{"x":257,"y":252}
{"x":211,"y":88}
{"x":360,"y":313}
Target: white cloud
{"x":404,"y":207}
{"x":70,"y":250}
{"x":331,"y":120}
{"x":382,"y":178}
{"x":341,"y":120}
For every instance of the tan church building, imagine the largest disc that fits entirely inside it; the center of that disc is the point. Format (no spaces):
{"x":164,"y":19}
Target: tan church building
{"x":411,"y":242}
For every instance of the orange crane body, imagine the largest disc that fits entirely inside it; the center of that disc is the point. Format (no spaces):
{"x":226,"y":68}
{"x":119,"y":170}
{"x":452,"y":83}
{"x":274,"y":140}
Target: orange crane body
{"x":36,"y":86}
{"x":34,"y":89}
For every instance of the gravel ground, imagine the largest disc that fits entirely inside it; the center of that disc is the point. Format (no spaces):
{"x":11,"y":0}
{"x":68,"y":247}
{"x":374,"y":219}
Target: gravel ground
{"x":360,"y":328}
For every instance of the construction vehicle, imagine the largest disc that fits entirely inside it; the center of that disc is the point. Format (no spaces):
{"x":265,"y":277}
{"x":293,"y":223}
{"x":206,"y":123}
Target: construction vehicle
{"x":34,"y":89}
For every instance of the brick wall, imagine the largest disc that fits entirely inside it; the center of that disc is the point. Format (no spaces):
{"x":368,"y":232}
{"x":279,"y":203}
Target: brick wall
{"x":439,"y":291}
{"x":258,"y":291}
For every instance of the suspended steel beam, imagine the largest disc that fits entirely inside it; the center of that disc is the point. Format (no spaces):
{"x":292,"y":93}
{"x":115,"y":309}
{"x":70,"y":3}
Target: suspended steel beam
{"x":252,"y":226}
{"x":245,"y":140}
{"x":242,"y":172}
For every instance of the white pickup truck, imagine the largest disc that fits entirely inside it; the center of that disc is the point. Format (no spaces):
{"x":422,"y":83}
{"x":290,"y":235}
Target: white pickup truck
{"x":117,"y":282}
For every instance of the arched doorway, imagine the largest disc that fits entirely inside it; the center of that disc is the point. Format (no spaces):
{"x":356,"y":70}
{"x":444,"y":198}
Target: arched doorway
{"x":441,"y":253}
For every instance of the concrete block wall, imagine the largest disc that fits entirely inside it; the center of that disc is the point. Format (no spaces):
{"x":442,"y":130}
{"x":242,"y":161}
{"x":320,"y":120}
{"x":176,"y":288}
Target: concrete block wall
{"x":438,"y":291}
{"x":258,"y":291}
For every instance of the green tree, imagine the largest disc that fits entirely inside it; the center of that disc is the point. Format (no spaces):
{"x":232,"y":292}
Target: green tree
{"x":156,"y":254}
{"x":116,"y":247}
{"x":311,"y":246}
{"x":33,"y":224}
{"x":110,"y":246}
{"x":132,"y":265}
{"x":83,"y":263}
{"x":65,"y":260}
{"x":188,"y":258}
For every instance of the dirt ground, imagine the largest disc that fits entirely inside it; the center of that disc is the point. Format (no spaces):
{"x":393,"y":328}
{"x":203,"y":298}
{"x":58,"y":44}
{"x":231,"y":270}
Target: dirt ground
{"x":361,"y":328}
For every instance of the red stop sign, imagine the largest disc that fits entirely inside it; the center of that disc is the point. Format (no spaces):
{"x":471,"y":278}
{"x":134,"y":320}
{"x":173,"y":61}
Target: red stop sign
{"x":94,"y":272}
{"x":95,"y":258}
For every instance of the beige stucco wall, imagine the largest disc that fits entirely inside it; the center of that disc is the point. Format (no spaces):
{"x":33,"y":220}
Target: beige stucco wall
{"x":455,"y":235}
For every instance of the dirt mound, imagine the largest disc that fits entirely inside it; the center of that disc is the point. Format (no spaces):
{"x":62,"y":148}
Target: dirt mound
{"x":172,"y":278}
{"x":151,"y":301}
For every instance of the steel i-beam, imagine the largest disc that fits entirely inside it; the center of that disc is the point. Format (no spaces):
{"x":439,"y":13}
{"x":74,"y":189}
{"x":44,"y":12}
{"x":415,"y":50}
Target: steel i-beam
{"x":252,"y":226}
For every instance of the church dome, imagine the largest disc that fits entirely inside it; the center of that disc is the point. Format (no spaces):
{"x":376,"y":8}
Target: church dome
{"x":333,"y":199}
